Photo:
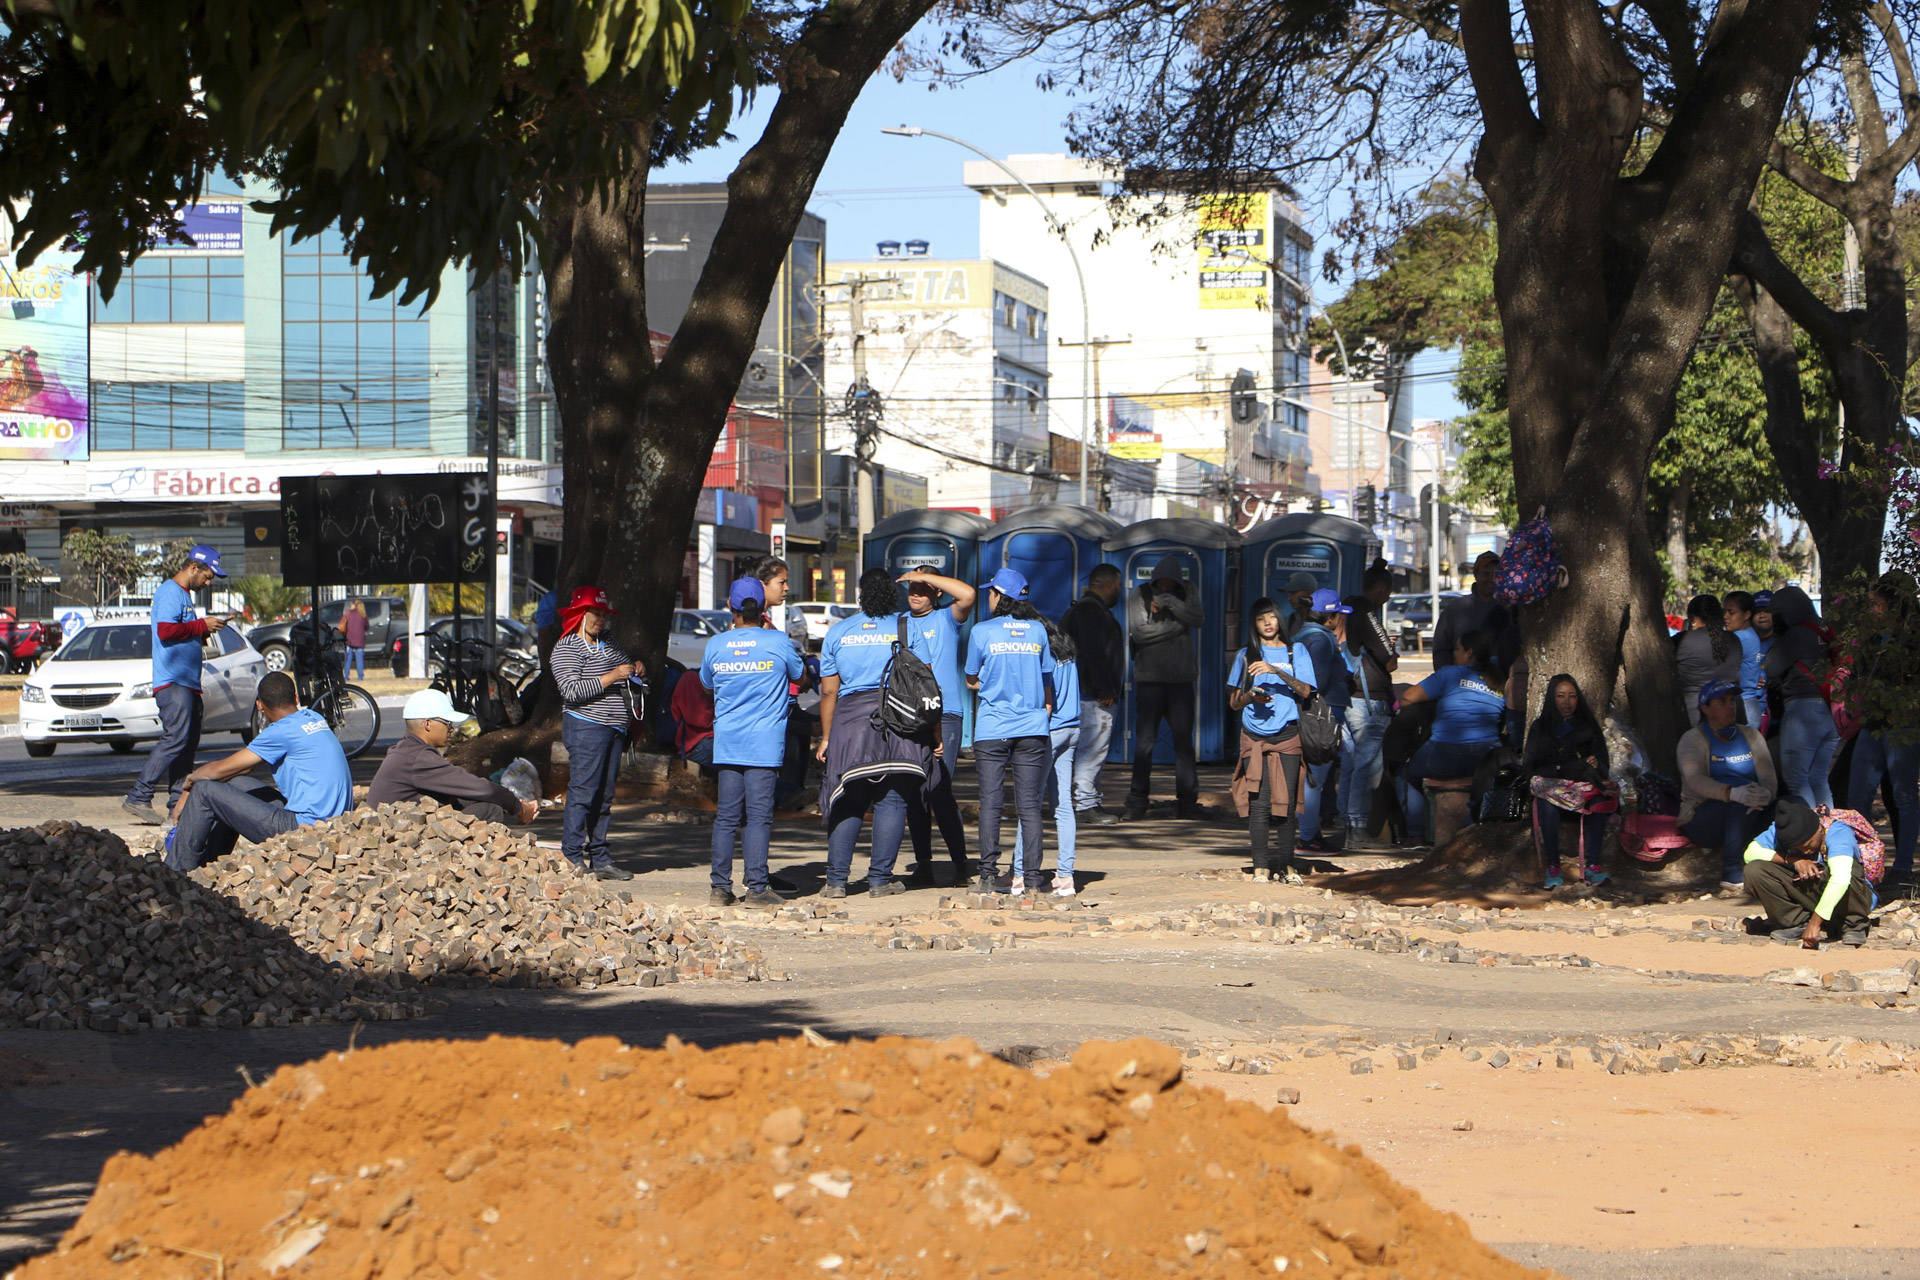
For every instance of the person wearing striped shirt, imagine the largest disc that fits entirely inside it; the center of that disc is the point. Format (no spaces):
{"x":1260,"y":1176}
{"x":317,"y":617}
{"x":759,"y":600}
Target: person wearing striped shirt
{"x":592,"y":672}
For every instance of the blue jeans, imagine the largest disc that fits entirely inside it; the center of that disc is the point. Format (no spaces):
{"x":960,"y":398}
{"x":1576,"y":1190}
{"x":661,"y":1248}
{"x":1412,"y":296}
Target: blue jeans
{"x":1808,"y":741}
{"x":1756,"y":709}
{"x":937,"y":804}
{"x":1059,"y":798}
{"x":355,"y":658}
{"x":746,"y":808}
{"x":1546,"y":834}
{"x":593,"y":765}
{"x":172,"y":757}
{"x":888,"y":794}
{"x":1313,"y":793}
{"x":1730,"y":826}
{"x":1873,"y":757}
{"x":1361,"y":765}
{"x":1026,"y":759}
{"x":1090,"y":752}
{"x":1436,"y":760}
{"x":218,"y":814}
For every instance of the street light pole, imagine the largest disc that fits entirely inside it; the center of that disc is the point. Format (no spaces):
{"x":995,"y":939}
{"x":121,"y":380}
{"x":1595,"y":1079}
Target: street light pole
{"x":1086,"y":314}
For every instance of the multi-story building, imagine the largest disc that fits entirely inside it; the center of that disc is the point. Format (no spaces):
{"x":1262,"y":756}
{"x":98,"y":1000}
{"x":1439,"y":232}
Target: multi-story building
{"x":219,"y":367}
{"x":957,"y":351}
{"x":1194,"y":330}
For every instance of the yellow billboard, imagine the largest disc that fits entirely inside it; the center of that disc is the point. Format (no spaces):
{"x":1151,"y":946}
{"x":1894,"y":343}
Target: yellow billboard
{"x":1234,"y":248}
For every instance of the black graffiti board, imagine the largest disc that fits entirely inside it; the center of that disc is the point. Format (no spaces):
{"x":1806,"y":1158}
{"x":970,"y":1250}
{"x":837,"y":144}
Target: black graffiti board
{"x":347,"y":530}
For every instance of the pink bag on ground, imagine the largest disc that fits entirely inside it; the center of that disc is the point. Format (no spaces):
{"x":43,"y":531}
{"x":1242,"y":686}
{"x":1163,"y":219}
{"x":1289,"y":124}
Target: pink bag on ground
{"x":1651,"y":836}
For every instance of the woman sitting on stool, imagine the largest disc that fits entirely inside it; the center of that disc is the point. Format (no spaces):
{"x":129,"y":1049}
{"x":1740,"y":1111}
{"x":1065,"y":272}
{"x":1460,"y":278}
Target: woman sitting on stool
{"x":1727,"y":782}
{"x":1567,"y":758}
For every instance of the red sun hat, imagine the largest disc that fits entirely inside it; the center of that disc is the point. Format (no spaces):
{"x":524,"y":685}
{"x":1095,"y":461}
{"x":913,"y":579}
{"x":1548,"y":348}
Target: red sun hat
{"x":585,"y":598}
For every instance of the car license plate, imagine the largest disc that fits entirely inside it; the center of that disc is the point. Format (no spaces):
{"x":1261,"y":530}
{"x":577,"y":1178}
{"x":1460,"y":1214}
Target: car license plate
{"x":83,"y":722}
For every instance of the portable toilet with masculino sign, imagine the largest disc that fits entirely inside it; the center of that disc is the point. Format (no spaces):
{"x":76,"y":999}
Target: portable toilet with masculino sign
{"x":1333,"y":549}
{"x":1053,"y":546}
{"x":942,"y":542}
{"x":1209,"y":559}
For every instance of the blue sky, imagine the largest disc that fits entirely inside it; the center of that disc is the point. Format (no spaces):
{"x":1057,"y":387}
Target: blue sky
{"x":876,"y":187}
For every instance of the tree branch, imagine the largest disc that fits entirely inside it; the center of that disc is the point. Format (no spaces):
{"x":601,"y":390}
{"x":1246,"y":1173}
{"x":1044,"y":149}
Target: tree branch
{"x":1428,"y":22}
{"x":1795,"y":168}
{"x":1754,"y":255}
{"x":1901,"y":151}
{"x":1486,"y":36}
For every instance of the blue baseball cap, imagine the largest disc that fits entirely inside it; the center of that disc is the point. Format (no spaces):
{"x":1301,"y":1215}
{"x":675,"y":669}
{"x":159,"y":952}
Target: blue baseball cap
{"x":745,"y":589}
{"x":1763,"y":600}
{"x":1327,"y":600}
{"x":1716,"y":689}
{"x":1009,"y":582}
{"x":207,"y":556}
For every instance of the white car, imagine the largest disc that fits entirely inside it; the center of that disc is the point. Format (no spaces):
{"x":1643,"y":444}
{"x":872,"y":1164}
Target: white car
{"x":820,"y":617}
{"x":98,"y":687}
{"x":692,"y":628}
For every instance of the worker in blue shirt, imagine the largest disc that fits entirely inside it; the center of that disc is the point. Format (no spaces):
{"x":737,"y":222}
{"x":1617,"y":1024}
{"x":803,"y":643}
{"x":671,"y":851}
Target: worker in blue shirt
{"x":178,"y":633}
{"x":310,"y":772}
{"x":1806,"y":872}
{"x":748,"y":668}
{"x":933,"y":634}
{"x":1010,"y":665}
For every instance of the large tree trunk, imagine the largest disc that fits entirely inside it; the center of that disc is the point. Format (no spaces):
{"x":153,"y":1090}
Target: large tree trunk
{"x":1604,"y":285}
{"x":1678,"y":504}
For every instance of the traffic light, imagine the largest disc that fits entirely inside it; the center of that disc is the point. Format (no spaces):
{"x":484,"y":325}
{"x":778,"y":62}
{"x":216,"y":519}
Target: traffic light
{"x":1246,"y":398}
{"x":1364,"y":504}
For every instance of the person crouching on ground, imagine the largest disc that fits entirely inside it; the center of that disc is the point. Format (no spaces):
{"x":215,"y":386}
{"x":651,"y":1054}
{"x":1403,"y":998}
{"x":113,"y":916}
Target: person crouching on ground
{"x":310,"y":771}
{"x":1567,"y":758}
{"x":415,"y":767}
{"x":748,"y":668}
{"x":1727,"y":782}
{"x":1269,"y":679}
{"x":867,"y":765}
{"x":1807,"y":875}
{"x":590,"y":671}
{"x":1010,"y":666}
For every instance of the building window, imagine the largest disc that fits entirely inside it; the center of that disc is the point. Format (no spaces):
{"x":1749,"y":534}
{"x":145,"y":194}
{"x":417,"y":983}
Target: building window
{"x":1033,"y":323}
{"x":1008,"y":311}
{"x":176,"y":290}
{"x":355,"y":369}
{"x":161,"y":416}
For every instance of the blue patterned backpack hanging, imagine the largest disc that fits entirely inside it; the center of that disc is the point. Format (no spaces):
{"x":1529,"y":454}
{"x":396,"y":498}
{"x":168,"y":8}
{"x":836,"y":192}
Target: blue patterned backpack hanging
{"x":1530,"y":566}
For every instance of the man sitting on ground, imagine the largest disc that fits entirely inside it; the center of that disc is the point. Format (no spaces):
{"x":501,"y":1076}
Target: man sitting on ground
{"x":309,"y":769}
{"x":415,"y":767}
{"x":1806,"y":873}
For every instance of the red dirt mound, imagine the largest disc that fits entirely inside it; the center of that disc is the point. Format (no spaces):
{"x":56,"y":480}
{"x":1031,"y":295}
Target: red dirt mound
{"x":534,"y":1159}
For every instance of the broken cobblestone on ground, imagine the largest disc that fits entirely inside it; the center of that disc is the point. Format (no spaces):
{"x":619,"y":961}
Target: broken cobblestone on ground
{"x":93,"y":936}
{"x":423,"y":891}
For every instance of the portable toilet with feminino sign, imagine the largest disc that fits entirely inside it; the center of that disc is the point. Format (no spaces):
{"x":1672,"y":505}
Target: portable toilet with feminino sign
{"x":1053,"y":546}
{"x":942,"y":542}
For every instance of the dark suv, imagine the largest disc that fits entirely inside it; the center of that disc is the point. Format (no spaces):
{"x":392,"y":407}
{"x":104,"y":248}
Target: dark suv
{"x":386,"y":616}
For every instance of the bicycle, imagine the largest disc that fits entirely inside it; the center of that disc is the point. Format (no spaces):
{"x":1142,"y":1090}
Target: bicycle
{"x":459,"y":670}
{"x":349,"y":710}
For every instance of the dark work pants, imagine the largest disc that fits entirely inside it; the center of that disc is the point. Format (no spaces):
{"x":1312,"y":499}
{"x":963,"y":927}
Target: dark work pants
{"x":888,"y":795}
{"x":793,"y":769}
{"x":172,"y":757}
{"x":1173,"y":703}
{"x":1260,"y":817}
{"x":1790,"y":902}
{"x":940,"y":807}
{"x":1546,"y":834}
{"x":217,"y":814}
{"x":1027,"y":759}
{"x":746,"y":809}
{"x":593,"y":765}
{"x":1731,"y":827}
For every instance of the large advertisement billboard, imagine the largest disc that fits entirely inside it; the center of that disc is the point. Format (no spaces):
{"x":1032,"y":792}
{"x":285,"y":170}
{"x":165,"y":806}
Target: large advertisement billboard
{"x":43,"y":360}
{"x":1233,"y":252}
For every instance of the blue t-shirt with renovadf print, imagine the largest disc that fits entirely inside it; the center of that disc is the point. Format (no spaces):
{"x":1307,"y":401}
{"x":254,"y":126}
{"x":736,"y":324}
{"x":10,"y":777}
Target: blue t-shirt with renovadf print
{"x":174,"y":661}
{"x":748,"y":669}
{"x":857,"y":649}
{"x":1469,"y":709}
{"x":1012,"y":660}
{"x":308,"y":765}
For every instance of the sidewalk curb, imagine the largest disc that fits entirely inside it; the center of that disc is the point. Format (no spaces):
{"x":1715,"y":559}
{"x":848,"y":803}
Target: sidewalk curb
{"x":12,"y":730}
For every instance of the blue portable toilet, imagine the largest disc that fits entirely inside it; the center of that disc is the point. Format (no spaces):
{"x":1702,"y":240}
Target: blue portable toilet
{"x":1333,"y":549}
{"x":1053,"y":546}
{"x":1209,"y":555}
{"x":942,"y":542}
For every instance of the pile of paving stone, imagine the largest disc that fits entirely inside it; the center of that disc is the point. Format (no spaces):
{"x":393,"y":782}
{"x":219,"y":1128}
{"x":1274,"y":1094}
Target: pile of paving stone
{"x":93,"y":936}
{"x":423,"y":891}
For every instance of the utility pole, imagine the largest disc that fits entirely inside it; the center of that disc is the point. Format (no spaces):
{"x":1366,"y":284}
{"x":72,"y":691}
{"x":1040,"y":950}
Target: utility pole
{"x":863,"y":404}
{"x":1433,"y":541}
{"x":1097,"y":345}
{"x":491,"y":509}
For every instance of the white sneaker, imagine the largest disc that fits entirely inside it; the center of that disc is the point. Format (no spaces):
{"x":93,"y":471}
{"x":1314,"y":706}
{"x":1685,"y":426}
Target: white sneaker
{"x":1262,"y":875}
{"x":1063,"y":886}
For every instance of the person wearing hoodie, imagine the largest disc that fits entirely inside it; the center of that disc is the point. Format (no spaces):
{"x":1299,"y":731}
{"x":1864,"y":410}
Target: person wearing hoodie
{"x":1162,"y":614}
{"x":1795,"y":665}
